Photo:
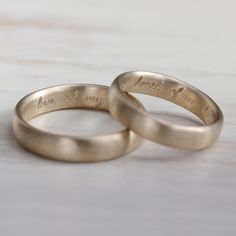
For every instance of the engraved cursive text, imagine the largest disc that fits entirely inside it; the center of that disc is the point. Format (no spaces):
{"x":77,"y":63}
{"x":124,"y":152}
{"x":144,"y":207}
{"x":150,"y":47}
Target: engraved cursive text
{"x":45,"y":102}
{"x":94,"y":99}
{"x":74,"y":98}
{"x":157,"y":85}
{"x":174,"y":93}
{"x":192,"y":101}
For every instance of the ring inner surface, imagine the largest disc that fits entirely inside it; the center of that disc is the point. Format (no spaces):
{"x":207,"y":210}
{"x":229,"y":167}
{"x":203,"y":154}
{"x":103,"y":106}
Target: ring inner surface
{"x":174,"y":91}
{"x":63,"y":97}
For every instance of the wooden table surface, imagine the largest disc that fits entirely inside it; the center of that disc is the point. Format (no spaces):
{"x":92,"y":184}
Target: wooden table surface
{"x":155,"y":190}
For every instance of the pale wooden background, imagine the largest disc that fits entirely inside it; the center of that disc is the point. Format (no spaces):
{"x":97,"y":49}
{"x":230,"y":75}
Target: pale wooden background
{"x":155,"y":190}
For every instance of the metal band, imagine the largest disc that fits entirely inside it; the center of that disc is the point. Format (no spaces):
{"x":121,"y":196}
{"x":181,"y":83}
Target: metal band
{"x":175,"y":91}
{"x":64,"y":147}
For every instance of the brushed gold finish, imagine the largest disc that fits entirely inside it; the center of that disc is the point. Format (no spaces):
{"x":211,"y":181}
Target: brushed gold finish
{"x":175,"y":91}
{"x":64,"y":147}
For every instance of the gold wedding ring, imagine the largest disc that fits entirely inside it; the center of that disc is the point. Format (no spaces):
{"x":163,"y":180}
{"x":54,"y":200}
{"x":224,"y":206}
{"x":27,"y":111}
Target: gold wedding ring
{"x":126,"y":109}
{"x":64,"y":147}
{"x":175,"y":91}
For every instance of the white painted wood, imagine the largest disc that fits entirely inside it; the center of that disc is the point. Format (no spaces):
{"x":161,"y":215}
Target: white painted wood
{"x":155,"y":190}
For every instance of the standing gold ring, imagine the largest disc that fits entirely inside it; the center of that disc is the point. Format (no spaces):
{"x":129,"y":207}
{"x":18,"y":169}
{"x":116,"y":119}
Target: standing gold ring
{"x":173,"y":90}
{"x":64,"y":147}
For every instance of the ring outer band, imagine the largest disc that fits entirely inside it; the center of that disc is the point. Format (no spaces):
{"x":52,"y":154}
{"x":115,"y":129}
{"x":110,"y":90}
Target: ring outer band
{"x":141,"y":122}
{"x":64,"y":147}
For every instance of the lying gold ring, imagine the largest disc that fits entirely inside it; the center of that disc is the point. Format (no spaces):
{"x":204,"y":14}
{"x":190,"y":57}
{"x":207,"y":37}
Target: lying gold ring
{"x":64,"y":147}
{"x":178,"y":92}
